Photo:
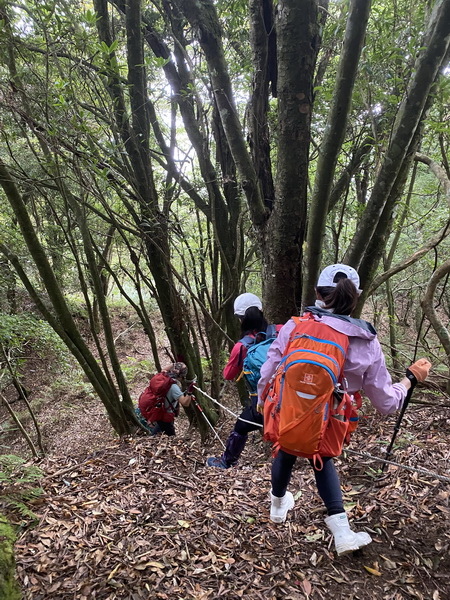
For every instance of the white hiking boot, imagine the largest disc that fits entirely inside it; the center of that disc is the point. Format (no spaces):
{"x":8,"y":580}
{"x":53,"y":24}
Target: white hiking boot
{"x":280,"y":506}
{"x":346,"y":540}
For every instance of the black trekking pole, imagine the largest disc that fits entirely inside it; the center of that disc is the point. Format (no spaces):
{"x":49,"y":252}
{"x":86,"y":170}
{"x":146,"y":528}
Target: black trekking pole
{"x":413,"y":381}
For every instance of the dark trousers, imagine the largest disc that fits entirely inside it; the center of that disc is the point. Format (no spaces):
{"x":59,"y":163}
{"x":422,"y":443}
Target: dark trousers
{"x":327,"y":480}
{"x":162,"y":427}
{"x":238,"y":437}
{"x":250,"y":414}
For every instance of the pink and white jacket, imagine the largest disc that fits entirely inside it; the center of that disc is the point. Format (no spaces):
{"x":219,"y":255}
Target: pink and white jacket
{"x":364,"y":368}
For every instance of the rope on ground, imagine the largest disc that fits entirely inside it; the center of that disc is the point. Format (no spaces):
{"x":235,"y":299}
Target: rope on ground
{"x":226,"y":408}
{"x":396,"y":464}
{"x":364,"y":454}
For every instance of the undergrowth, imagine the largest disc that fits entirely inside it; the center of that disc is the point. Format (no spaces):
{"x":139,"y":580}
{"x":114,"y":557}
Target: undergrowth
{"x":18,"y":481}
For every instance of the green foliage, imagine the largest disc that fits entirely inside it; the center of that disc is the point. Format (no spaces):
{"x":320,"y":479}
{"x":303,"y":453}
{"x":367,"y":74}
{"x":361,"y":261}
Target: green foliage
{"x":17,"y":332}
{"x":14,"y":469}
{"x":138,"y":369}
{"x":18,"y":480}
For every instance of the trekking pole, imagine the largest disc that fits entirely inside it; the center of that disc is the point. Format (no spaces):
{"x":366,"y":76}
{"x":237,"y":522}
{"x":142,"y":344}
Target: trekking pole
{"x":189,"y":390}
{"x":398,"y":422}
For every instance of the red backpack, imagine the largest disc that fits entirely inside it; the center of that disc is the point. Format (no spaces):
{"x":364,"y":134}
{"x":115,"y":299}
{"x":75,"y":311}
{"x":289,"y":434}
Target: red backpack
{"x":152,"y":401}
{"x":306,"y":412}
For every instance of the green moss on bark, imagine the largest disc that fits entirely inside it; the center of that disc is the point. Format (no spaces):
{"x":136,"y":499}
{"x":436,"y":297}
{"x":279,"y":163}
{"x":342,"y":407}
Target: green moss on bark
{"x":9,"y":588}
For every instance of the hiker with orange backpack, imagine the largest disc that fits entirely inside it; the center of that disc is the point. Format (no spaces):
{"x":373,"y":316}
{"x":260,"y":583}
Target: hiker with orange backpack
{"x":160,"y":402}
{"x":307,"y":390}
{"x":255,"y":331}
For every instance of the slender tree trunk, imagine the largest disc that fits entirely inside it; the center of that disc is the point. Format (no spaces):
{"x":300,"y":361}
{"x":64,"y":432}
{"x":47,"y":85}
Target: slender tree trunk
{"x":410,"y":115}
{"x":342,"y":183}
{"x":64,"y":324}
{"x":23,"y":395}
{"x":203,"y":17}
{"x":427,"y":304}
{"x":135,"y":135}
{"x":333,"y":138}
{"x":263,"y":44}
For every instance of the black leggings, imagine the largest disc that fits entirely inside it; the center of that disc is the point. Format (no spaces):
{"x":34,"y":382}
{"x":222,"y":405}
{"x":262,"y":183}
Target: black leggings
{"x":250,"y":414}
{"x":327,"y":480}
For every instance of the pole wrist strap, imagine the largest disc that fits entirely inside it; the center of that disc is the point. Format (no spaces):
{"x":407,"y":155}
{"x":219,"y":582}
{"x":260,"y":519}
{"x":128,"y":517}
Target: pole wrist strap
{"x":411,"y":377}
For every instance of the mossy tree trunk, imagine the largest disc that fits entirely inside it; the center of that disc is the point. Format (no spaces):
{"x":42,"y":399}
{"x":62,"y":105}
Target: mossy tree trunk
{"x":9,"y":587}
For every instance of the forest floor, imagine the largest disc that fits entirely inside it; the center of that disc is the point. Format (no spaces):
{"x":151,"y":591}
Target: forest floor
{"x":143,"y":518}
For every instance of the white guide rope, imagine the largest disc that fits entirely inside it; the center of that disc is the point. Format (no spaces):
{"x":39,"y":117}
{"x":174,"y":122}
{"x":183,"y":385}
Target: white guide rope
{"x":226,"y":408}
{"x":364,"y":454}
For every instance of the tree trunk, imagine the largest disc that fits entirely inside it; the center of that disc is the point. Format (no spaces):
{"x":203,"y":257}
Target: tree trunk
{"x":135,"y":136}
{"x":263,"y":44}
{"x":410,"y":115}
{"x":427,"y":304}
{"x":333,"y":138}
{"x":203,"y":17}
{"x":297,"y":46}
{"x":119,"y":413}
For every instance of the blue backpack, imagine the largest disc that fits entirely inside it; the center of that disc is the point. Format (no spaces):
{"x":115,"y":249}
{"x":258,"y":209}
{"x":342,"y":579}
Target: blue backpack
{"x":257,"y":348}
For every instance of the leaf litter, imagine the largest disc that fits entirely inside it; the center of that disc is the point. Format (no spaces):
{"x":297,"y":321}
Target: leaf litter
{"x":144,"y":518}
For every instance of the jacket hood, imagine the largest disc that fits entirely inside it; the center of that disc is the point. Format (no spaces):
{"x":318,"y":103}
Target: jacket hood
{"x":348,"y":325}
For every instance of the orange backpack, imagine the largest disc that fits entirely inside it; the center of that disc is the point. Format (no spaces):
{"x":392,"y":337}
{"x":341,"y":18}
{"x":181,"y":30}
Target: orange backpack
{"x":306,"y":412}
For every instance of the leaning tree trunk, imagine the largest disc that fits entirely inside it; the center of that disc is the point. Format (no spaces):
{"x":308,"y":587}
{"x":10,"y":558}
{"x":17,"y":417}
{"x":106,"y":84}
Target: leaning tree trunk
{"x":202,"y":15}
{"x":120,"y":413}
{"x":333,"y":138}
{"x":427,"y":303}
{"x":410,"y":115}
{"x":135,"y":133}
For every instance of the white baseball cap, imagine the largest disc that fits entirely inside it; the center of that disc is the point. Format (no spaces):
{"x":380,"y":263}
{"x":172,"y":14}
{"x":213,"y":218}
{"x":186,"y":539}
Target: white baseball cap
{"x":245,"y":301}
{"x":326,"y":278}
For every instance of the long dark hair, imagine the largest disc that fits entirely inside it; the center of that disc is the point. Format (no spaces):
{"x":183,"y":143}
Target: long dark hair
{"x":253,"y":321}
{"x":342,"y":298}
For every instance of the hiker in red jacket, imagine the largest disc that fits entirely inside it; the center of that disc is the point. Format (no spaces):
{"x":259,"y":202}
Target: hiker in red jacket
{"x":160,"y":403}
{"x":364,"y":368}
{"x":248,"y":308}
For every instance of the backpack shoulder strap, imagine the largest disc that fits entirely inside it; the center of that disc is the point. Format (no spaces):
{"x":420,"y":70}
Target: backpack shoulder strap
{"x":247,"y":340}
{"x":169,"y":401}
{"x":271,"y":331}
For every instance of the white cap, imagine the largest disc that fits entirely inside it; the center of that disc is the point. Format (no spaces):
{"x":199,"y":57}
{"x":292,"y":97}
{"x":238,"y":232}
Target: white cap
{"x":245,"y":301}
{"x":326,"y":278}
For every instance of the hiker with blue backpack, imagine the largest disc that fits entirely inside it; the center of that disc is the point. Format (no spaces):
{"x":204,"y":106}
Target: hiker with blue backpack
{"x":307,"y":391}
{"x":257,"y":336}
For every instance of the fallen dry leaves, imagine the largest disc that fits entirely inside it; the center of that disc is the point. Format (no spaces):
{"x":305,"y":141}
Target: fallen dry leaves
{"x":143,"y":518}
